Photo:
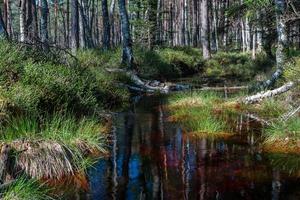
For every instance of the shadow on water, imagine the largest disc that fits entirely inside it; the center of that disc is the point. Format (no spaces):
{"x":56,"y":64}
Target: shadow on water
{"x":152,"y":159}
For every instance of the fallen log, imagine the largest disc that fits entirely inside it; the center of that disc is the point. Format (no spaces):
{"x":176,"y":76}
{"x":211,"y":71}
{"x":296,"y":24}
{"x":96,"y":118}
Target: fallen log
{"x":223,"y":88}
{"x":148,"y":86}
{"x":268,"y":94}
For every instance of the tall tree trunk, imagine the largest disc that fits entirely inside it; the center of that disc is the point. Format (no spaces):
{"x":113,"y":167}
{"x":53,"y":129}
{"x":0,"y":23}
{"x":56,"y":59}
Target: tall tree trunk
{"x":23,"y":31}
{"x":153,"y":9}
{"x":281,"y":43}
{"x":3,"y":33}
{"x":74,"y":25}
{"x":106,"y":25}
{"x":112,"y":21}
{"x":44,"y":24}
{"x":127,"y":57}
{"x":205,"y":29}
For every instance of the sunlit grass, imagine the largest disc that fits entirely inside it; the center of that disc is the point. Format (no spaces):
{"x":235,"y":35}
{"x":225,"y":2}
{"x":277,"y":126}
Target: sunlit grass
{"x":56,"y":146}
{"x":197,"y":113}
{"x":24,"y":189}
{"x":283,"y":136}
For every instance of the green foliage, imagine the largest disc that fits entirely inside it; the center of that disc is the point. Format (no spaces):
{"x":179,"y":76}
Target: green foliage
{"x":24,"y":189}
{"x":239,"y":65}
{"x":292,"y":70}
{"x":34,"y":85}
{"x":281,"y":131}
{"x":168,"y":62}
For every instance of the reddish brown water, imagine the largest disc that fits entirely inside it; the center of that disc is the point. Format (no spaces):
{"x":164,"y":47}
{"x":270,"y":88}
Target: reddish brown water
{"x":153,"y":159}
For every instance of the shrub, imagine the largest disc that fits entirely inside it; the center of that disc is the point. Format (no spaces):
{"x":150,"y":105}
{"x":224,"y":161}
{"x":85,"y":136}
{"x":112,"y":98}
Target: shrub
{"x":239,"y":65}
{"x":34,"y":85}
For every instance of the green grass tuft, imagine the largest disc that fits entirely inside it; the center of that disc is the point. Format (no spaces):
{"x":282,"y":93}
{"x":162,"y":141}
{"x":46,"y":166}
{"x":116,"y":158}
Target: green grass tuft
{"x":196,"y":113}
{"x":24,"y":189}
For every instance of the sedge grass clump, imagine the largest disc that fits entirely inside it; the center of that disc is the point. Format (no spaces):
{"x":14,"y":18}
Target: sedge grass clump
{"x":23,"y":189}
{"x":268,"y":109}
{"x":196,"y":113}
{"x":283,"y":136}
{"x":54,"y":147}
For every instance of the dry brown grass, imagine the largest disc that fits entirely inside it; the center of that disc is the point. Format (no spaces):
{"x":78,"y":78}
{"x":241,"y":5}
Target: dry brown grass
{"x":282,"y":146}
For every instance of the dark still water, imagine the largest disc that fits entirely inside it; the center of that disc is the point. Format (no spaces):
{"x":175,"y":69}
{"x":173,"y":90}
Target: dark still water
{"x":153,"y":159}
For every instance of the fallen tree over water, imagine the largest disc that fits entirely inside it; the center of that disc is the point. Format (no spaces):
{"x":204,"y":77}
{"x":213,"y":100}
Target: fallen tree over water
{"x":270,"y":93}
{"x":148,"y":86}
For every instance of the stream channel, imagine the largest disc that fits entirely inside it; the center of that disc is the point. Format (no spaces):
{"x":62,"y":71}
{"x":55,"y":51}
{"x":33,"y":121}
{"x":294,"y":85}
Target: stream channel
{"x":152,"y":158}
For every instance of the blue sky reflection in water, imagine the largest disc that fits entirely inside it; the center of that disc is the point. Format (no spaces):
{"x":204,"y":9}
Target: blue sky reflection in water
{"x":153,"y":159}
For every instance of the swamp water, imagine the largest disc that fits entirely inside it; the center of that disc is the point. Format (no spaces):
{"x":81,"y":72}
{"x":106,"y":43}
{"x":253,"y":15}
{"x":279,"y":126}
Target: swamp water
{"x":152,"y":158}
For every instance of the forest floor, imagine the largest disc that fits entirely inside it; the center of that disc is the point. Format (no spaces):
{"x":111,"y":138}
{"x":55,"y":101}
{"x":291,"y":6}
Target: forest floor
{"x":53,"y":106}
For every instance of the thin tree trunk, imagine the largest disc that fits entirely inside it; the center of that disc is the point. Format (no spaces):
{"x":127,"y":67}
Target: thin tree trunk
{"x":106,"y":25}
{"x":23,"y":20}
{"x":3,"y":33}
{"x":44,"y":24}
{"x":112,"y":21}
{"x":74,"y":25}
{"x":205,"y":29}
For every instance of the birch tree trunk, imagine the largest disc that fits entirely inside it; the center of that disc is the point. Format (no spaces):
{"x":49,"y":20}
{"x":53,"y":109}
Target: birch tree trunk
{"x":281,"y":44}
{"x":23,"y":20}
{"x":112,"y":21}
{"x":127,"y":57}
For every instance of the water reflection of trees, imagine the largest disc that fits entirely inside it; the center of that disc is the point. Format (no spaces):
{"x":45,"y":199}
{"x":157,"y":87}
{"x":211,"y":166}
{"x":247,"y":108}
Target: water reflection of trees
{"x":152,"y":159}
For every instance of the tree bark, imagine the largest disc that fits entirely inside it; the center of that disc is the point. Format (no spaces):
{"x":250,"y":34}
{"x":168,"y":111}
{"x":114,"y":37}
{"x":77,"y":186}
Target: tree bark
{"x":127,"y":57}
{"x":44,"y":24}
{"x":74,"y":25}
{"x":281,"y":44}
{"x":205,"y":30}
{"x":270,"y":93}
{"x":3,"y":33}
{"x":106,"y":25}
{"x":23,"y":31}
